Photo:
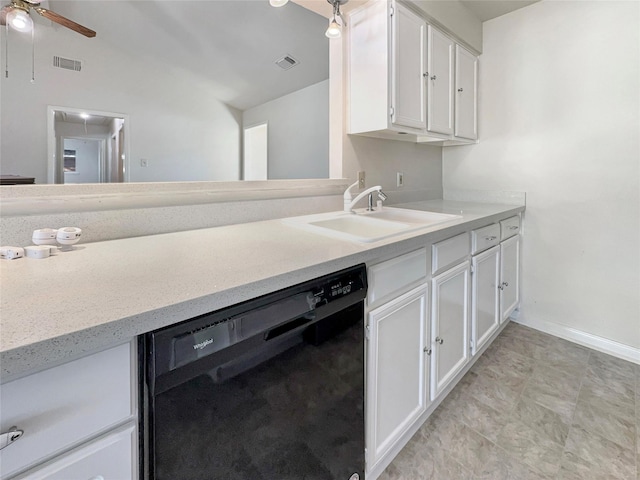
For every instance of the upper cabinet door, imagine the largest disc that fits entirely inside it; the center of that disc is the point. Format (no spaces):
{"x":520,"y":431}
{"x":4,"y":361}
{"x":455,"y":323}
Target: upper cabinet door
{"x":408,"y":67}
{"x":440,"y":82}
{"x":466,"y":123}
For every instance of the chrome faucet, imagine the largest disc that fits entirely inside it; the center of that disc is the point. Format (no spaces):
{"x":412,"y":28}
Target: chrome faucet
{"x":349,"y":204}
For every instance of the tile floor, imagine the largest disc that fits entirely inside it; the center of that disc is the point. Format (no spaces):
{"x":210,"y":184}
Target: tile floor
{"x":532,"y":407}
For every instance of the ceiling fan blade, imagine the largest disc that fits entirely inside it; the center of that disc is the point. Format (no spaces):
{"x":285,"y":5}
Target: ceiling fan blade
{"x":65,"y":22}
{"x":3,"y":14}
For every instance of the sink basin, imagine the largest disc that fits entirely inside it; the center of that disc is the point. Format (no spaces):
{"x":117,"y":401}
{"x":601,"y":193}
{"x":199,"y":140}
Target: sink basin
{"x":411,"y":216}
{"x":369,"y":226}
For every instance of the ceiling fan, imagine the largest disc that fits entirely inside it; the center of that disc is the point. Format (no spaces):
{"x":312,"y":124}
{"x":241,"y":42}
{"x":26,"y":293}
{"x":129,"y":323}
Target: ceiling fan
{"x":17,"y":15}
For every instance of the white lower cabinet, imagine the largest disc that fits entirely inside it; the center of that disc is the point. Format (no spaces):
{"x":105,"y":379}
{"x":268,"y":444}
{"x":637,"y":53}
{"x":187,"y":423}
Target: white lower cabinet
{"x":449,"y":326}
{"x":509,"y":276}
{"x":485,"y":298}
{"x":397,"y":370}
{"x":112,"y":457}
{"x":67,"y":407}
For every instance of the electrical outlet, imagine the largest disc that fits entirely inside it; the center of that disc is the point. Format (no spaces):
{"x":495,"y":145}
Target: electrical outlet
{"x":144,"y":162}
{"x":400,"y":179}
{"x":361,"y":182}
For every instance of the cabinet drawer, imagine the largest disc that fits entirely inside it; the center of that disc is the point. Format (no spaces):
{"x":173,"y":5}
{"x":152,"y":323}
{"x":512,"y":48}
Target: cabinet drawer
{"x":112,"y":457}
{"x":449,"y":252}
{"x":393,"y":277}
{"x":65,"y":405}
{"x":509,"y":227}
{"x":484,"y":238}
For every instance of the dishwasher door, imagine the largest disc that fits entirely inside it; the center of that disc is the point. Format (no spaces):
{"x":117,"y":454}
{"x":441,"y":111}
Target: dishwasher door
{"x":273,"y":392}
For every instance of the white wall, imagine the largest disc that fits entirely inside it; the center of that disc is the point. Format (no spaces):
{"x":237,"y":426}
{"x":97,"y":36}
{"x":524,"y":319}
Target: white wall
{"x":559,"y":119}
{"x":381,"y":160}
{"x":298,"y":128}
{"x":176,"y":122}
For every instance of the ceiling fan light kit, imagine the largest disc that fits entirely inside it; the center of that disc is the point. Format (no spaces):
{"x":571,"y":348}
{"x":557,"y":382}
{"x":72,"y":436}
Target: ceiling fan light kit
{"x":20,"y":20}
{"x":17,"y":16}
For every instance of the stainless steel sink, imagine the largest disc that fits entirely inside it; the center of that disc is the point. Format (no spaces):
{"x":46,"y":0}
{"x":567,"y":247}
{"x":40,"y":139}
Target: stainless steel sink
{"x":368,"y":227}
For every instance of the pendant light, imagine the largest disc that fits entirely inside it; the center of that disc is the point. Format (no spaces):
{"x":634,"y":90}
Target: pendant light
{"x":277,"y":3}
{"x":337,"y":20}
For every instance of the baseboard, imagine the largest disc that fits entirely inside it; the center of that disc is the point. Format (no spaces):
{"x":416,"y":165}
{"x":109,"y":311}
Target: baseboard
{"x":586,"y":339}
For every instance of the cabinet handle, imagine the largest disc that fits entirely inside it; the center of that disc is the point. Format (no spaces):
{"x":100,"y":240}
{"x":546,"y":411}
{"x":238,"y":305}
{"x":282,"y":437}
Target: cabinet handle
{"x":490,"y":239}
{"x":513,"y":227}
{"x":439,"y":340}
{"x":427,"y":351}
{"x":425,"y":74}
{"x":7,"y":438}
{"x":501,"y":287}
{"x":505,"y":284}
{"x":433,"y":78}
{"x":460,"y":89}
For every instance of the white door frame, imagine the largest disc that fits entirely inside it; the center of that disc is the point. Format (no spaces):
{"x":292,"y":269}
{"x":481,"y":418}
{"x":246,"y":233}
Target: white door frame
{"x":53,"y":162}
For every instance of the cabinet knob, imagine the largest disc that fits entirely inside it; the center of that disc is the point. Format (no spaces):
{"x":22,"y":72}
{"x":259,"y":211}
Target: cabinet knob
{"x":427,"y":350}
{"x":460,"y":89}
{"x":12,"y":435}
{"x":439,"y":340}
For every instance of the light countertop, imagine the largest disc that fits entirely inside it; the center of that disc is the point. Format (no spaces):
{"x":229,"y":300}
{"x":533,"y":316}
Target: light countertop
{"x":104,"y":293}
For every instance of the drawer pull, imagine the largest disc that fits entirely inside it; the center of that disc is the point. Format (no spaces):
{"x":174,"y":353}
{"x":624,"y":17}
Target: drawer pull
{"x":491,"y":238}
{"x":7,"y":438}
{"x":439,"y":341}
{"x":513,"y":227}
{"x":427,"y":351}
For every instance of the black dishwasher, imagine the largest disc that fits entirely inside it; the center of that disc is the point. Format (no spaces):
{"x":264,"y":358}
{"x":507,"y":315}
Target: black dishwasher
{"x":269,"y":389}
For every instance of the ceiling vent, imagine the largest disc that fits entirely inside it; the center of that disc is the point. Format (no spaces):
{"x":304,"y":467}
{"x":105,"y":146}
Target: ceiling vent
{"x":67,"y":63}
{"x":287,"y":62}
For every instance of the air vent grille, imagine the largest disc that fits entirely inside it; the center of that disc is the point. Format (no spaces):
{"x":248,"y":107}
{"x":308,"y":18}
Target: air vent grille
{"x":67,"y":63}
{"x":287,"y":62}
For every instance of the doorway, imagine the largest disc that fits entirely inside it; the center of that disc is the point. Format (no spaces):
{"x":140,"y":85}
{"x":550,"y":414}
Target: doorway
{"x":255,"y":152}
{"x":73,"y":126}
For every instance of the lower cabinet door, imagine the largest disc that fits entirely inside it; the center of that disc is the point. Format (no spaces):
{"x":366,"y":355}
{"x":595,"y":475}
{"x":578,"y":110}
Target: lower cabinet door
{"x":449,"y":326}
{"x":485,"y":297}
{"x":509,"y":276}
{"x":397,"y":373}
{"x":112,"y":457}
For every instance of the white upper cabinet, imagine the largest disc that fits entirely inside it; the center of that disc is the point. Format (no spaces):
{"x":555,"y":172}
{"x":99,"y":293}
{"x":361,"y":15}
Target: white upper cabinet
{"x":440,"y":82}
{"x":409,"y":58}
{"x":404,"y":76}
{"x":466,"y":94}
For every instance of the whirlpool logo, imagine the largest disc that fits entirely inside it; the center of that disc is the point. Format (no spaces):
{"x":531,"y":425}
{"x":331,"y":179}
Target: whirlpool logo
{"x":201,"y":345}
